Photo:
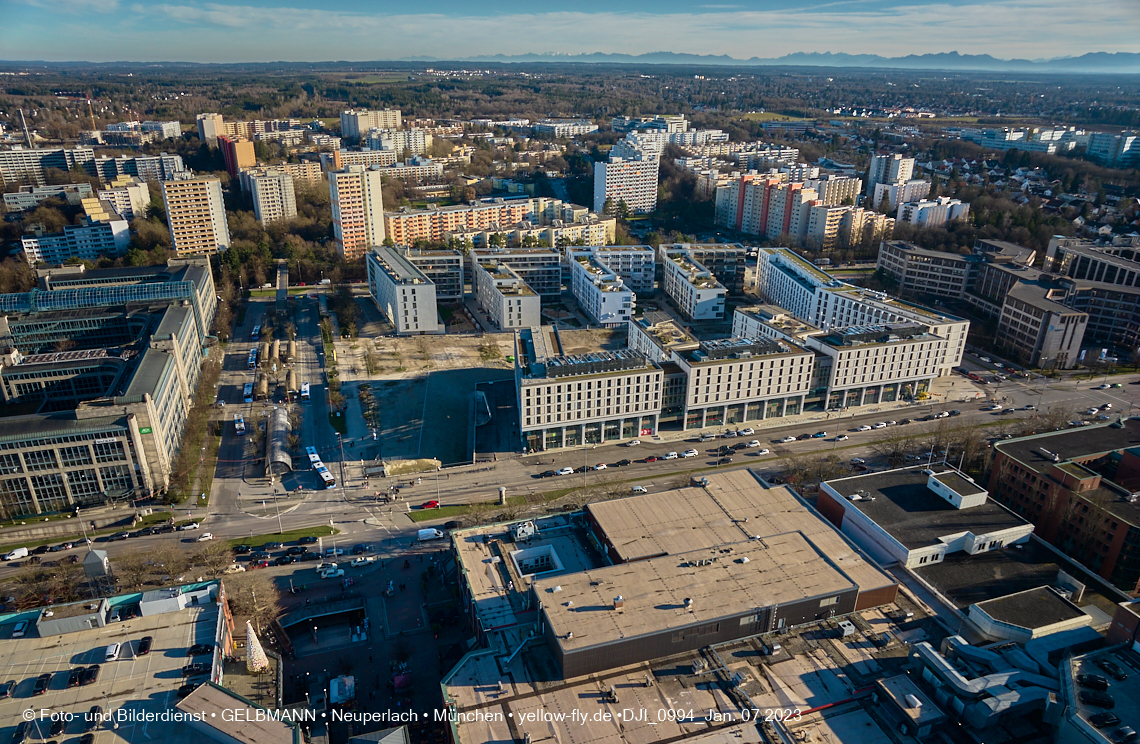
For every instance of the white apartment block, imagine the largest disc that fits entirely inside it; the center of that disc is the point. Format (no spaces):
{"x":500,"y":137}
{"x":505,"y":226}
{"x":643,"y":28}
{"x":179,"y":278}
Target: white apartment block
{"x":817,"y":298}
{"x":504,"y":295}
{"x":693,"y":289}
{"x":933,"y":212}
{"x":565,"y":127}
{"x":129,"y":196}
{"x":306,"y":171}
{"x":355,"y":124}
{"x":467,"y":222}
{"x":102,"y":233}
{"x":659,"y":337}
{"x":889,"y":196}
{"x":822,"y":231}
{"x":635,"y":264}
{"x":540,"y":268}
{"x":568,"y":401}
{"x":631,"y":181}
{"x":789,"y":209}
{"x":402,"y":292}
{"x":600,"y":292}
{"x":737,"y":380}
{"x":209,"y":127}
{"x":415,"y":141}
{"x":196,"y":216}
{"x":272,"y":192}
{"x":417,"y":168}
{"x":889,"y":169}
{"x":341,"y":159}
{"x":860,"y":226}
{"x":357,"y":209}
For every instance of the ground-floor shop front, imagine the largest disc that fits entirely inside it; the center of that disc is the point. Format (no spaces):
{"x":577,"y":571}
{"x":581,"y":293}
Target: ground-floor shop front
{"x":597,"y":432}
{"x":738,"y":413}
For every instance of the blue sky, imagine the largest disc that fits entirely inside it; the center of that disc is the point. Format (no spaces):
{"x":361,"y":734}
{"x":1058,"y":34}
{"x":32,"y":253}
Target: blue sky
{"x":318,"y":30}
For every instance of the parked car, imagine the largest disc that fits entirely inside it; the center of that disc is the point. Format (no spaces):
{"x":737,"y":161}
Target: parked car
{"x":57,"y":726}
{"x":199,"y":668}
{"x":310,"y":556}
{"x":60,"y":547}
{"x":623,"y":463}
{"x":763,"y":451}
{"x":19,"y":629}
{"x":633,"y":443}
{"x":7,"y":688}
{"x":804,"y":436}
{"x":20,"y":734}
{"x":186,"y":689}
{"x":1103,"y":719}
{"x":41,"y":685}
{"x":432,"y":504}
{"x":1112,"y":668}
{"x":92,"y":717}
{"x":819,"y":435}
{"x":942,"y":414}
{"x":307,"y":540}
{"x":955,"y":412}
{"x":671,"y":456}
{"x":548,"y":474}
{"x":284,"y":560}
{"x":200,"y":649}
{"x":904,"y":422}
{"x":689,"y":453}
{"x":639,"y":489}
{"x":118,"y":536}
{"x":334,"y":573}
{"x":90,"y":675}
{"x":273,"y":545}
{"x":188,"y":526}
{"x":987,"y":360}
{"x":74,"y":677}
{"x":234,"y":568}
{"x":1097,"y":698}
{"x":600,"y":466}
{"x":112,"y":653}
{"x":842,"y":438}
{"x":241,"y":549}
{"x":864,"y":427}
{"x":787,"y":439}
{"x":747,"y":432}
{"x":565,"y":471}
{"x":858,"y":461}
{"x":330,"y":552}
{"x":651,"y":458}
{"x":259,"y":555}
{"x":205,"y":536}
{"x":1092,"y":681}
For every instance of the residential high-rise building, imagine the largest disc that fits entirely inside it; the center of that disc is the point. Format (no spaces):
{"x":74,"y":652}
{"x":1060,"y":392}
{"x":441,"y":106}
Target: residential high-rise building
{"x":1117,"y":150}
{"x":693,"y":289}
{"x":743,"y":203}
{"x":340,"y":159}
{"x":102,"y":233}
{"x":29,"y":197}
{"x":822,"y":231}
{"x":788,"y":211}
{"x":28,"y":166}
{"x":128,"y":195}
{"x":354,"y":125}
{"x":357,"y":209}
{"x":600,"y":291}
{"x":862,"y":227}
{"x":237,"y":153}
{"x":633,"y":182}
{"x":210,"y":126}
{"x":162,"y":167}
{"x":889,"y":169}
{"x":889,"y":196}
{"x":415,"y":141}
{"x":272,"y":193}
{"x":834,"y":190}
{"x":405,"y":295}
{"x":508,"y":300}
{"x":196,"y":215}
{"x":933,"y":212}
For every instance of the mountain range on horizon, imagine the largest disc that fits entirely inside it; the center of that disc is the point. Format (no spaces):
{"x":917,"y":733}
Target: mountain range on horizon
{"x":1092,"y":62}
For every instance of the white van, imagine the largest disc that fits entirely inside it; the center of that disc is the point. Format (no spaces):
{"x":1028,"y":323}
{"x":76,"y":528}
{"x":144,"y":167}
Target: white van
{"x":20,"y":629}
{"x":429,"y":534}
{"x":113,"y":652}
{"x":17,"y":554}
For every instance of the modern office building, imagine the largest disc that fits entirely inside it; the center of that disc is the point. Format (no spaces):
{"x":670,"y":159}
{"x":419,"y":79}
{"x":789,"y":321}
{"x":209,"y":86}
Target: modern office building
{"x":570,"y":400}
{"x":540,"y":268}
{"x":19,"y":165}
{"x":102,"y":422}
{"x":601,"y":293}
{"x":272,"y":192}
{"x":354,"y":124}
{"x":504,"y":295}
{"x":1078,"y":488}
{"x":102,"y":233}
{"x":30,"y":197}
{"x":693,"y":289}
{"x":402,"y":292}
{"x":737,"y":380}
{"x":557,"y":222}
{"x":127,"y":195}
{"x":357,"y":209}
{"x":443,"y":267}
{"x":1037,"y":329}
{"x":889,"y":169}
{"x":196,"y":216}
{"x":932,"y":212}
{"x":623,"y":180}
{"x":922,"y":271}
{"x":237,"y":153}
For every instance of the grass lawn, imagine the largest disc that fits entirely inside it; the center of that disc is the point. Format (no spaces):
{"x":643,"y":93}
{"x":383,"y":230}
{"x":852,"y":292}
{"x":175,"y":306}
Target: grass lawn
{"x":769,"y":116}
{"x":338,"y":423}
{"x":287,"y":536}
{"x":423,"y":515}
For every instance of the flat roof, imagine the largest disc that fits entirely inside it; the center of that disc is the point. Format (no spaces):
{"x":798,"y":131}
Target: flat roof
{"x":1039,"y":607}
{"x":775,"y":570}
{"x":897,"y":689}
{"x":910,"y":512}
{"x":217,"y":706}
{"x":732,"y":507}
{"x":1070,"y":444}
{"x":148,"y":373}
{"x":397,"y":267}
{"x":1035,"y":292}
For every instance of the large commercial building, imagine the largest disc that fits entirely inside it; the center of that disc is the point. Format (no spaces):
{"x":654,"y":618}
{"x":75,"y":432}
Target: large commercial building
{"x":601,"y":293}
{"x":196,"y":216}
{"x":626,"y":181}
{"x":737,"y":380}
{"x":103,"y":421}
{"x":272,"y":192}
{"x":504,"y":295}
{"x":102,"y":233}
{"x":693,"y":289}
{"x":127,"y":195}
{"x":402,"y":292}
{"x":1078,"y":488}
{"x":354,"y":124}
{"x":19,"y":165}
{"x":1115,"y":150}
{"x":558,"y":223}
{"x":922,"y":271}
{"x":1037,"y":329}
{"x":357,"y":209}
{"x":570,"y":400}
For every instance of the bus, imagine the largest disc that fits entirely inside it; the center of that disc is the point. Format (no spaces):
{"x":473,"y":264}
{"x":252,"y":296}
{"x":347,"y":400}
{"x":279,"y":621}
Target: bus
{"x":326,"y":477}
{"x":256,"y":333}
{"x":314,"y":458}
{"x":247,"y":393}
{"x":239,"y":424}
{"x":251,"y":362}
{"x":304,"y":392}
